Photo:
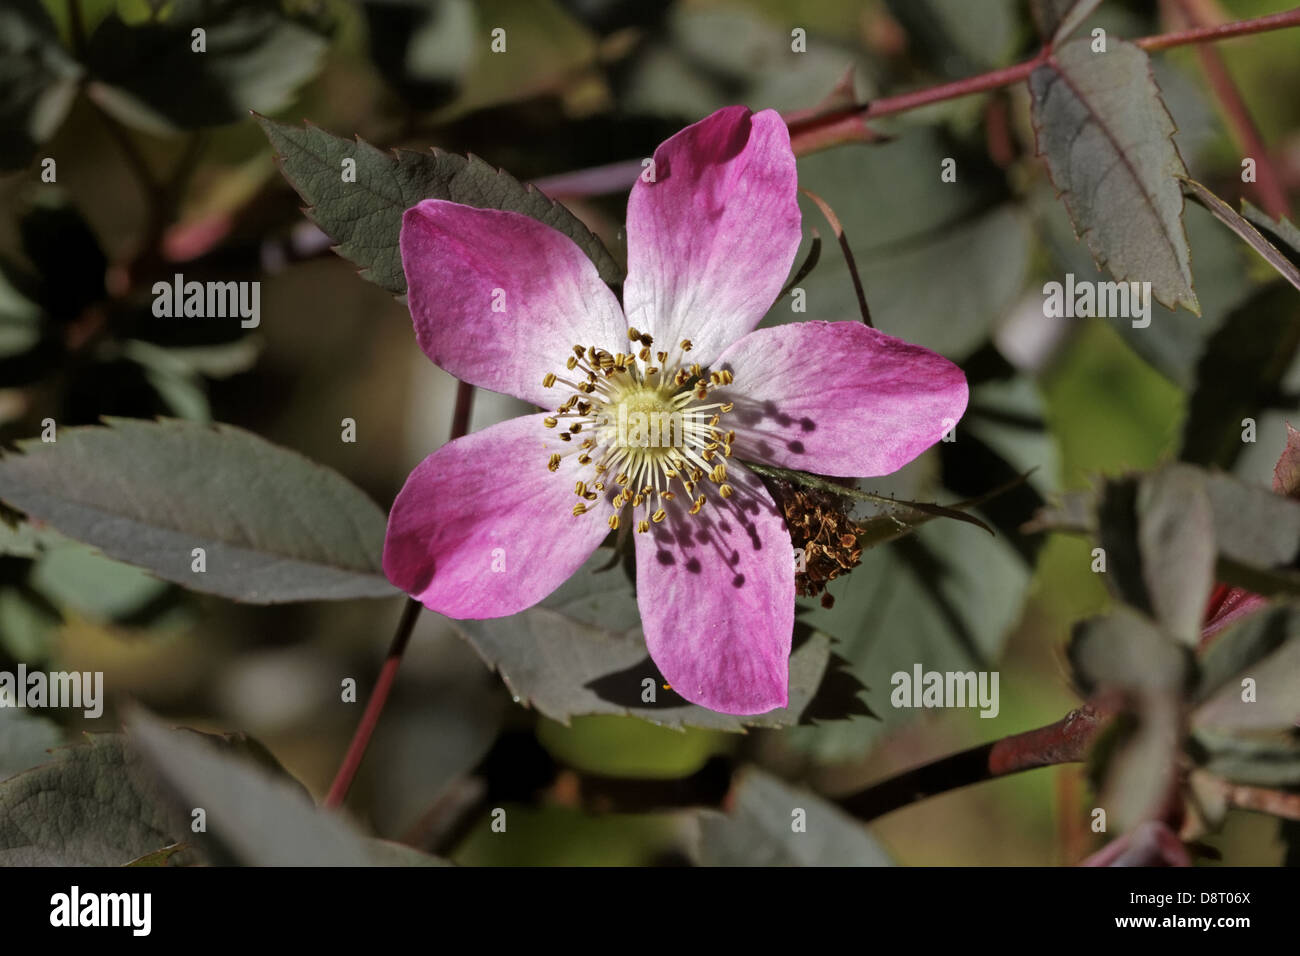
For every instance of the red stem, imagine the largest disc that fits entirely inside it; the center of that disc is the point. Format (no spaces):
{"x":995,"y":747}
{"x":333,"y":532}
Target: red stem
{"x":388,"y":673}
{"x":1066,"y":741}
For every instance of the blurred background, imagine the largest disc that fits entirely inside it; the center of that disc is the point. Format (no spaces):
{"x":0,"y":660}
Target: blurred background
{"x":160,"y":170}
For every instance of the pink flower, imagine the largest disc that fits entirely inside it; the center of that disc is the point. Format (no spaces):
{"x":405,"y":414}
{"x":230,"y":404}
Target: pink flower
{"x":492,"y":523}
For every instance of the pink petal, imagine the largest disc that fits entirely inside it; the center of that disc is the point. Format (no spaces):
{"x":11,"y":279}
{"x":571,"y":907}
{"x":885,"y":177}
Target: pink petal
{"x":716,"y":592}
{"x":460,"y":262}
{"x":482,"y":529}
{"x":711,"y":240}
{"x":837,"y":398}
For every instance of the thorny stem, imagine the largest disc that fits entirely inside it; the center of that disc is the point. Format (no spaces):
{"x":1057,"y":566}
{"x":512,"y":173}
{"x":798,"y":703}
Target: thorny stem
{"x":1066,"y":741}
{"x":388,"y":673}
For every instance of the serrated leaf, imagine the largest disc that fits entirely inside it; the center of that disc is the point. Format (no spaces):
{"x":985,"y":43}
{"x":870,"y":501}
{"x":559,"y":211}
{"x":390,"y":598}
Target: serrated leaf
{"x":256,"y":56}
{"x":1107,"y":139}
{"x":759,"y":830}
{"x":253,"y":817}
{"x":90,"y":805}
{"x":1246,"y":230}
{"x":364,"y":218}
{"x":580,"y":652}
{"x":275,"y":527}
{"x":1057,"y":19}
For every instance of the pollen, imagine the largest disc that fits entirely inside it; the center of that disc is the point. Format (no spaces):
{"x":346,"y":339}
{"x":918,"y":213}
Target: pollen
{"x":649,"y":419}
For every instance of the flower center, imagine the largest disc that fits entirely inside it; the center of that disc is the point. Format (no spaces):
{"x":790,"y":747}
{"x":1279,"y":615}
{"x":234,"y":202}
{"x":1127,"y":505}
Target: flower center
{"x":642,"y":423}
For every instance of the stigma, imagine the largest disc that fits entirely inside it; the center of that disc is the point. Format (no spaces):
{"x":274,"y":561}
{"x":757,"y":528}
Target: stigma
{"x":645,"y":433}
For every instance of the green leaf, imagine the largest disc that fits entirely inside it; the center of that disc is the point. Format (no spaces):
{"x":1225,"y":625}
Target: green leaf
{"x":1265,"y":649}
{"x":1176,"y":542}
{"x":365,"y":218}
{"x":1243,"y":228}
{"x":81,"y":579}
{"x":1057,"y":19}
{"x":1106,"y":137}
{"x":1157,"y":532}
{"x":92,"y":804}
{"x":38,"y":81}
{"x":253,"y":817}
{"x":580,"y":652}
{"x":1241,"y":646}
{"x":1282,"y":233}
{"x":1124,"y":650}
{"x":1260,"y":760}
{"x":256,"y":56}
{"x":275,"y":527}
{"x":1140,"y":768}
{"x":1252,"y":525}
{"x":759,"y":829}
{"x":1137,"y":756}
{"x":1241,"y":374}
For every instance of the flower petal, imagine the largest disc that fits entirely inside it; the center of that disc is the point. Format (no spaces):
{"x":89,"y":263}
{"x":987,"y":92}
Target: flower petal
{"x":838,"y":398}
{"x":498,"y":298}
{"x":711,"y":239}
{"x":482,"y":529}
{"x":716,"y":592}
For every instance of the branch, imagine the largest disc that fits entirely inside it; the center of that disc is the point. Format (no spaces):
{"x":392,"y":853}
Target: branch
{"x":1066,"y":741}
{"x":388,"y":673}
{"x":828,"y":129}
